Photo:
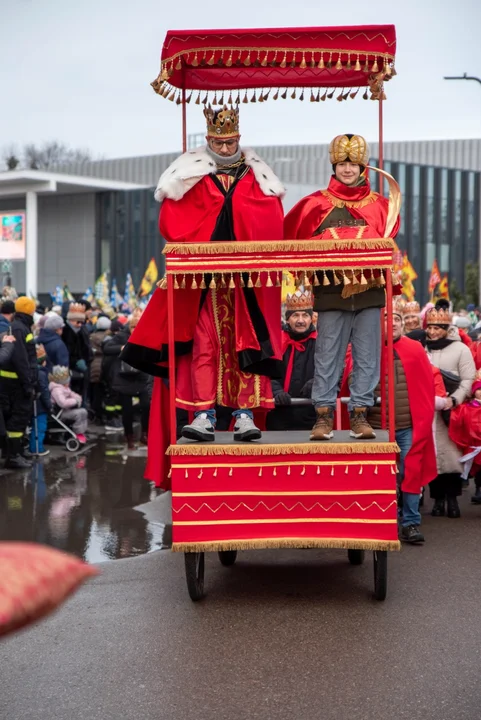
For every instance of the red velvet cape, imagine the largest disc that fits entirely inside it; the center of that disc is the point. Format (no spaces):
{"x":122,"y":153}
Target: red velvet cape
{"x":420,"y":463}
{"x":306,"y":217}
{"x":465,"y":430}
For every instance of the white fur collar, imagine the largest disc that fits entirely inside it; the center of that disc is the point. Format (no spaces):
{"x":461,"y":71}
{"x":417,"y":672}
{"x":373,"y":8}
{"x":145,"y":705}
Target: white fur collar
{"x":192,"y":166}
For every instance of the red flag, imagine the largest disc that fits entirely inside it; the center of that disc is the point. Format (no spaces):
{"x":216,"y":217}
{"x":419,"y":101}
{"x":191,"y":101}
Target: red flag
{"x":435,"y":277}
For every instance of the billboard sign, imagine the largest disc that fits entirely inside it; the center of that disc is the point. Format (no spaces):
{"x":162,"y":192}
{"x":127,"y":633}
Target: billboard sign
{"x":12,"y":235}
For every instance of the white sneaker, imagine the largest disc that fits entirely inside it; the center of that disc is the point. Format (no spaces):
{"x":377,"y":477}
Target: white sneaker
{"x":201,"y":428}
{"x":244,"y":429}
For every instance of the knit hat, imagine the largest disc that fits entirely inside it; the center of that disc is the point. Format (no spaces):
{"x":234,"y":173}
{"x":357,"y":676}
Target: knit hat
{"x":7,"y":307}
{"x":25,"y":305}
{"x":103,"y":323}
{"x":53,"y":322}
{"x":60,"y":375}
{"x":41,"y":353}
{"x":76,"y":311}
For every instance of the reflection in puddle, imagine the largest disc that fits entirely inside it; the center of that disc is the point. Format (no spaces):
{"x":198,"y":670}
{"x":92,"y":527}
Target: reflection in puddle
{"x":83,"y":504}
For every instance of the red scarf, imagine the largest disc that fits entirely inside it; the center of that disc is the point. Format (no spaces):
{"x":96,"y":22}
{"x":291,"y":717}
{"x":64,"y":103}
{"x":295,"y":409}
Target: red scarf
{"x":349,"y":193}
{"x":300,"y":346}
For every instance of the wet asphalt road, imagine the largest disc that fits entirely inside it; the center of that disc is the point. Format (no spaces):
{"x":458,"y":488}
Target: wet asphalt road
{"x":282,"y":634}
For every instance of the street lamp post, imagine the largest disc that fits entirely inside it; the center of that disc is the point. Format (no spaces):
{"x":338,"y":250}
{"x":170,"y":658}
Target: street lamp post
{"x":465,"y":76}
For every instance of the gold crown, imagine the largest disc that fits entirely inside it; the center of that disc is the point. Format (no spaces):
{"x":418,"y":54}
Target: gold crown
{"x":222,"y":123}
{"x":412,"y":308}
{"x":439,"y":316}
{"x":299,"y":301}
{"x":60,"y":374}
{"x":398,"y":305}
{"x":353,"y":149}
{"x":40,"y":350}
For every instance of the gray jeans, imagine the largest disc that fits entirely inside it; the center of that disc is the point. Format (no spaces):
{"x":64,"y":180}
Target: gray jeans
{"x":335,"y":330}
{"x":77,"y":417}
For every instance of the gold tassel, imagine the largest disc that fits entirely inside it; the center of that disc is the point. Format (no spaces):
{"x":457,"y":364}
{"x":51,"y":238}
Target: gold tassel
{"x":340,"y":97}
{"x":354,"y":93}
{"x":253,"y":98}
{"x":247,"y":61}
{"x":178,"y":65}
{"x":303,"y":64}
{"x":375,"y":67}
{"x":221,"y":99}
{"x":242,"y":283}
{"x":245,"y":99}
{"x":293,"y":96}
{"x":171,"y":96}
{"x":222,"y":281}
{"x":214,"y":101}
{"x":176,"y":284}
{"x":354,"y":278}
{"x":269,"y":282}
{"x":249,"y":282}
{"x":264,"y":61}
{"x":325,"y":279}
{"x":345,"y":279}
{"x":303,"y":471}
{"x":182,"y":284}
{"x":382,"y":279}
{"x":237,"y":100}
{"x":187,"y":100}
{"x":321,"y":65}
{"x":363,"y":279}
{"x":336,"y":278}
{"x":229,"y":60}
{"x":331,"y":94}
{"x":357,"y":66}
{"x":163,"y":284}
{"x":265,"y":97}
{"x":387,"y":68}
{"x":195,"y":61}
{"x":339,"y":63}
{"x":276,"y":94}
{"x":201,"y":473}
{"x":301,"y":97}
{"x":211,"y":60}
{"x":164,"y":75}
{"x":231,"y":282}
{"x":261,"y":97}
{"x":179,"y":99}
{"x":194,"y":285}
{"x":366,"y":95}
{"x":308,"y":282}
{"x":316,"y":280}
{"x":284,"y":60}
{"x":212,"y":284}
{"x":215,"y":472}
{"x":329,"y":62}
{"x":284,"y":94}
{"x":202,"y":284}
{"x":348,"y":64}
{"x":206,"y":97}
{"x":313,"y":97}
{"x":278,"y":279}
{"x":258,"y":283}
{"x":366,"y":65}
{"x":324,"y":96}
{"x":229,"y":101}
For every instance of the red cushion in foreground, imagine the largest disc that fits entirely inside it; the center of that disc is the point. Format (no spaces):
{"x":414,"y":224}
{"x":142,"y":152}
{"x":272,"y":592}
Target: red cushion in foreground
{"x":34,"y":580}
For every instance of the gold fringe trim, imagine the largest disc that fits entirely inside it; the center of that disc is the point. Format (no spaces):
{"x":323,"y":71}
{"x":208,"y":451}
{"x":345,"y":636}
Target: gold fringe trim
{"x":358,"y":448}
{"x":337,"y":202}
{"x":288,"y":543}
{"x":298,"y":246}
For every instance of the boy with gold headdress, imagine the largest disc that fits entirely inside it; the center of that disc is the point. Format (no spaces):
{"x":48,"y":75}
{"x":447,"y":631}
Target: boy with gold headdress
{"x":227,"y":338}
{"x":349,"y":307}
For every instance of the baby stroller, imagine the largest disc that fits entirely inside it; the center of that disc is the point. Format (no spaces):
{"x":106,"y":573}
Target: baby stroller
{"x":56,"y":426}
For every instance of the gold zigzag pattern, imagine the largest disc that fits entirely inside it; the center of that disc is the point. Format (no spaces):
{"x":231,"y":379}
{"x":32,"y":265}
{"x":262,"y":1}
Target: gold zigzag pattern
{"x":283,"y":505}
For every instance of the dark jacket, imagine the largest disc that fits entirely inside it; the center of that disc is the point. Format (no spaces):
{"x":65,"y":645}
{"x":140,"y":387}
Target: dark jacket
{"x":23,"y":362}
{"x":120,"y":378}
{"x":402,"y":411}
{"x":78,"y":345}
{"x":4,"y":325}
{"x":97,"y":339}
{"x":6,"y":352}
{"x":55,"y":348}
{"x":44,"y":403}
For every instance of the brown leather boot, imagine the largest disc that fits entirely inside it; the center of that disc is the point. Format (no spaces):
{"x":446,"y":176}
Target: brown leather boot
{"x":360,"y":428}
{"x":322,"y":430}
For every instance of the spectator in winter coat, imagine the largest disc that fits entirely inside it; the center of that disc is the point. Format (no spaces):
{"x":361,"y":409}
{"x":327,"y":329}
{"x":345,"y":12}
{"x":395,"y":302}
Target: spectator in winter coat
{"x":43,"y":406}
{"x":69,"y":401}
{"x":129,"y":383}
{"x":50,"y":336}
{"x":7,"y":311}
{"x":77,"y":340}
{"x":97,"y":339}
{"x":6,"y":352}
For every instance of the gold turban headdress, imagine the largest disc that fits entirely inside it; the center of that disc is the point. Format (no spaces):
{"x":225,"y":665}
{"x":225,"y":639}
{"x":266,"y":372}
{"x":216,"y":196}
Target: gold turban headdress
{"x":349,"y":148}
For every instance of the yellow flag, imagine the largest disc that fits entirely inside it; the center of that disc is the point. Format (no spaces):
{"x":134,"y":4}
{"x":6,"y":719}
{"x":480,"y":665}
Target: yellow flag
{"x":288,"y":284}
{"x":443,"y":289}
{"x":149,"y":279}
{"x":408,"y":275}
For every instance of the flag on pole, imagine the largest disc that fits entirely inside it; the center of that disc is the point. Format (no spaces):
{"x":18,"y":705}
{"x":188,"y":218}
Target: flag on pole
{"x":88,"y":295}
{"x":288,"y":285}
{"x":58,"y":295}
{"x":102,"y":289}
{"x":67,"y":295}
{"x":435,"y":277}
{"x":443,"y":289}
{"x":408,"y":275}
{"x":116,"y":298}
{"x":130,"y":296}
{"x":150,"y":278}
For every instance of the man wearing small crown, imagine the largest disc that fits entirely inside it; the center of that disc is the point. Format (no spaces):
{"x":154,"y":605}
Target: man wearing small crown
{"x":349,"y":305}
{"x":227,"y":334}
{"x":298,"y":346}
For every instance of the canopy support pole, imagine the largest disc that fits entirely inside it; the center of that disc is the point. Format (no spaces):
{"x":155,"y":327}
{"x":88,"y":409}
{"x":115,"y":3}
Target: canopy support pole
{"x":170,"y":329}
{"x":184,"y":122}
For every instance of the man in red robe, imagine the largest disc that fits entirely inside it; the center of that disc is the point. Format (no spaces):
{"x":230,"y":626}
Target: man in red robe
{"x":348,"y":305}
{"x":227,"y":338}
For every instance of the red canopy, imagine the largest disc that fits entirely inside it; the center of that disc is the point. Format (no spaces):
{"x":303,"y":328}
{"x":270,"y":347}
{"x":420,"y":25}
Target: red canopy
{"x":235,"y":60}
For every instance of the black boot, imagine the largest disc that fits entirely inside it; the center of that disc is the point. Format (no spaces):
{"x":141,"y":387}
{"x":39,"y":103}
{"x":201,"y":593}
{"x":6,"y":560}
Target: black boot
{"x":453,"y":507}
{"x":476,"y":498}
{"x":15,"y":459}
{"x":438,"y":508}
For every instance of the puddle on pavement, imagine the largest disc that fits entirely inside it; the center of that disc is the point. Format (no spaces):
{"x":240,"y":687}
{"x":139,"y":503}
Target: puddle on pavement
{"x":83,"y":504}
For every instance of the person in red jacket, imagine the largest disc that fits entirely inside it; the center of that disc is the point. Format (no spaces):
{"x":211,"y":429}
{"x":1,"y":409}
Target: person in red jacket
{"x":349,"y":306}
{"x":227,"y":336}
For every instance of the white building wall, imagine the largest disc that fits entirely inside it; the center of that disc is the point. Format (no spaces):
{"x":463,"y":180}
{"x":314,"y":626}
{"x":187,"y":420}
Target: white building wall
{"x":66,"y":242}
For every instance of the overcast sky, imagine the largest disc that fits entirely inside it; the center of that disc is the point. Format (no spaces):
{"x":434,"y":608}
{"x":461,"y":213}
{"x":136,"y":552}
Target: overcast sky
{"x":80,"y":72}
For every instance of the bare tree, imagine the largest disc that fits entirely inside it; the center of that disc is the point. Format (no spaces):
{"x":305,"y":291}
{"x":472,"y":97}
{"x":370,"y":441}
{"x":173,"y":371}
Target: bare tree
{"x":11,"y":157}
{"x":53,"y":153}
